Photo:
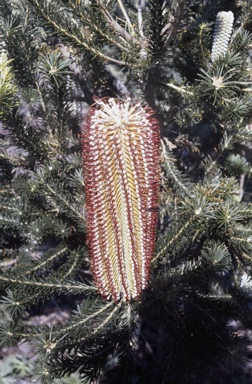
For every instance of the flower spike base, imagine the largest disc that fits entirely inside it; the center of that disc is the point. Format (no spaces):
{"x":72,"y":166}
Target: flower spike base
{"x":121,"y":174}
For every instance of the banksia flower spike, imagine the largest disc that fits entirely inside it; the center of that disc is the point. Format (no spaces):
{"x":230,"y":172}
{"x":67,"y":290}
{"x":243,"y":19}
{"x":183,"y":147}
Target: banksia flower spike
{"x":222,"y":32}
{"x":121,"y":173}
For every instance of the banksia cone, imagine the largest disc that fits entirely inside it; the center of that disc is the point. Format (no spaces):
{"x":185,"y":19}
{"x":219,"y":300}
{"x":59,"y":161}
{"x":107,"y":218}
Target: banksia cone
{"x":121,"y":174}
{"x":222,"y":32}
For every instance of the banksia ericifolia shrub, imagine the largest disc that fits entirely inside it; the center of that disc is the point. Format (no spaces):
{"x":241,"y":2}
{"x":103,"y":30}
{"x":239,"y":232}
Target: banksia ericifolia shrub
{"x":121,"y":174}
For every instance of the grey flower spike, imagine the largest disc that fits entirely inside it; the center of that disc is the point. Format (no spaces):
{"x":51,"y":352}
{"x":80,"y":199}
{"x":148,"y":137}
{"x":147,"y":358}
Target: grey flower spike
{"x":222,"y":32}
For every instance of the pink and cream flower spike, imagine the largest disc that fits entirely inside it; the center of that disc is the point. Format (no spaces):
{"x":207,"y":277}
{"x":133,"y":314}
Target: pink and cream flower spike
{"x":121,"y":173}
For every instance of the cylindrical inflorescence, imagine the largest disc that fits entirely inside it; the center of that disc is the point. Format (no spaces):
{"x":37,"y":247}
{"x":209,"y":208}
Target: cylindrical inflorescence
{"x":222,"y":32}
{"x":121,"y":174}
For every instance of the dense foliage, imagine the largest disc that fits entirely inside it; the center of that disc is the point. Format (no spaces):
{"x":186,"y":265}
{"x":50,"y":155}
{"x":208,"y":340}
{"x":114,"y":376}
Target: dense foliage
{"x":56,"y":56}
